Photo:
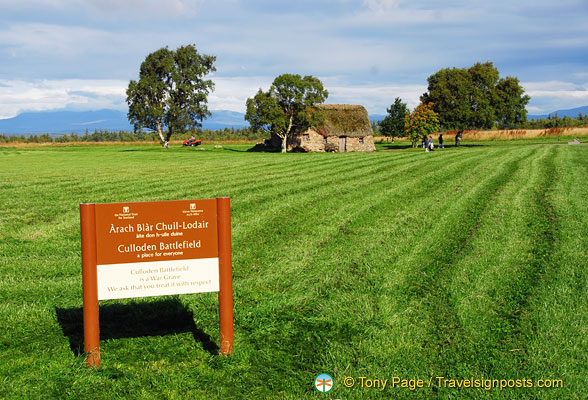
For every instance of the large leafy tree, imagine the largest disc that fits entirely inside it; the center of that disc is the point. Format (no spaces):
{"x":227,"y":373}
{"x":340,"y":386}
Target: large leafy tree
{"x":476,"y":98}
{"x":393,"y":124}
{"x":511,"y":103}
{"x":171,"y":92}
{"x":284,"y":108}
{"x":421,"y":122}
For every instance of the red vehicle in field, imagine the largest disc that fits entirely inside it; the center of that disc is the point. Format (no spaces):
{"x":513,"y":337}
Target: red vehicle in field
{"x":192,"y":142}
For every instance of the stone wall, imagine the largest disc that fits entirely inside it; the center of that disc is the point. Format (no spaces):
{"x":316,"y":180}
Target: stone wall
{"x":311,"y":141}
{"x":365,"y":143}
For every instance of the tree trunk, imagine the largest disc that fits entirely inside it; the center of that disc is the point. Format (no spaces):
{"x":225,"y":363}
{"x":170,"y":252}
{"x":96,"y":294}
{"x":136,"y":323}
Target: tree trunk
{"x":168,"y":136}
{"x":164,"y":142}
{"x":285,"y":137}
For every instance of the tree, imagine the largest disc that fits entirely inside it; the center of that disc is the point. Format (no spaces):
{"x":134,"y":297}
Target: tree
{"x":171,"y":91}
{"x":284,"y":108}
{"x":393,"y":125}
{"x":511,"y":103}
{"x":421,"y":122}
{"x":476,"y":98}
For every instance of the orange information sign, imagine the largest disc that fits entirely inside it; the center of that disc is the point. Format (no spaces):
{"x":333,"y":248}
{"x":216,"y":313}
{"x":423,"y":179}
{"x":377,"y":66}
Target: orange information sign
{"x":153,"y":249}
{"x":156,"y":248}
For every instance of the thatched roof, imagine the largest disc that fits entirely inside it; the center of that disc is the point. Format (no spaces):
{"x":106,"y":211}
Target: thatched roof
{"x":345,"y":120}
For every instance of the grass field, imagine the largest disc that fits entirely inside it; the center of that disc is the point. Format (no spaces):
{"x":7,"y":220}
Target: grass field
{"x":463,"y":263}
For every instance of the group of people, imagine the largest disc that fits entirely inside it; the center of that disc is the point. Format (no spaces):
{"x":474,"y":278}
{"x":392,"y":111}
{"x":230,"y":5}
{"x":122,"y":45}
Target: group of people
{"x":428,"y":143}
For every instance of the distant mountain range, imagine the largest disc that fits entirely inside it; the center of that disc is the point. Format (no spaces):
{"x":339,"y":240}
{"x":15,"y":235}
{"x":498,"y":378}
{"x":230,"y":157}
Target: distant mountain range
{"x":572,"y":113}
{"x":376,"y":117}
{"x":61,"y":122}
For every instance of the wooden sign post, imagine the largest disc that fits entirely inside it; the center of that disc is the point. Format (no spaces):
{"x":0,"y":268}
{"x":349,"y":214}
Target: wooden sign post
{"x":155,"y":249}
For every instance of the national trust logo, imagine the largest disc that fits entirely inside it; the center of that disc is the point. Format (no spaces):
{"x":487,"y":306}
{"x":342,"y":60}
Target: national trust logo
{"x":192,"y":210}
{"x":126,"y":213}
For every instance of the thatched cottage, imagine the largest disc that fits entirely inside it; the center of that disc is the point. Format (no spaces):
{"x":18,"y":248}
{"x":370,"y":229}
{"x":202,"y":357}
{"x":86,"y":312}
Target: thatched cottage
{"x":346,"y":128}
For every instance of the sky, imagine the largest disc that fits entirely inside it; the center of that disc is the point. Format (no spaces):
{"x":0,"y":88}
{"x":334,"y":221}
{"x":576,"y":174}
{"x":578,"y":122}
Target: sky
{"x":81,"y":54}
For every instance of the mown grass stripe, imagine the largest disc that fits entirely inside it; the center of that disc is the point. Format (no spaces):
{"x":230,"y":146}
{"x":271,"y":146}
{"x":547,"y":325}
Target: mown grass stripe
{"x":444,"y":323}
{"x":555,"y":325}
{"x":422,"y":299}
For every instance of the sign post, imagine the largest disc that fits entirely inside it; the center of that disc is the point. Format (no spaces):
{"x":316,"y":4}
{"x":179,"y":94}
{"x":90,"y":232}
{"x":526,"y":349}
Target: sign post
{"x":155,"y":249}
{"x":225,"y":293}
{"x":90,"y":287}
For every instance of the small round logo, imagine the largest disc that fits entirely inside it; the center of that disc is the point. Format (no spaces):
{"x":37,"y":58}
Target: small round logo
{"x":323,"y":383}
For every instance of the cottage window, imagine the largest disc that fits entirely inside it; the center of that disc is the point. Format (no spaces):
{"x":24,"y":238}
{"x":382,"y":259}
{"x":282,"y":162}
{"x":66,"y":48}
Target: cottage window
{"x":360,"y":140}
{"x":324,"y":139}
{"x":306,"y":137}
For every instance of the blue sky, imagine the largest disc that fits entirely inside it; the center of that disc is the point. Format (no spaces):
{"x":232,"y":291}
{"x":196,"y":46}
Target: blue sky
{"x":81,"y":54}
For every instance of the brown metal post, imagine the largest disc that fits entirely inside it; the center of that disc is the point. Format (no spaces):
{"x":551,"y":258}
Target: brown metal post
{"x":225,"y":293}
{"x":90,"y":285}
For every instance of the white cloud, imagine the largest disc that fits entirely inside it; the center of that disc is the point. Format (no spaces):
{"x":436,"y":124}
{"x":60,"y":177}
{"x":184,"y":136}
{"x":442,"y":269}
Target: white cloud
{"x":552,"y":87}
{"x":382,"y":5}
{"x":146,"y":8}
{"x":232,"y":93}
{"x":582,"y":75}
{"x":389,"y":13}
{"x":37,"y":38}
{"x":19,"y":4}
{"x":534,"y":110}
{"x":18,"y":96}
{"x":51,"y":51}
{"x":114,"y":8}
{"x":550,"y":96}
{"x":577,"y":42}
{"x":375,"y":98}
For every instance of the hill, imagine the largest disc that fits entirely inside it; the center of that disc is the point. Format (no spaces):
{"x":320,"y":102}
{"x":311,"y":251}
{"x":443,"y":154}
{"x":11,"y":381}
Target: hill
{"x":572,"y":113}
{"x":60,"y":122}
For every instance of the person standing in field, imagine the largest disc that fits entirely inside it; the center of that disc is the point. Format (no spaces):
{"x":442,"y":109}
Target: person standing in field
{"x":441,"y":141}
{"x":430,"y":144}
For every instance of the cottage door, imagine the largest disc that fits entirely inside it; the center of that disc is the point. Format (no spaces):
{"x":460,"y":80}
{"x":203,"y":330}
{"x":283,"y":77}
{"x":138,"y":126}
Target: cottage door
{"x":342,"y":140}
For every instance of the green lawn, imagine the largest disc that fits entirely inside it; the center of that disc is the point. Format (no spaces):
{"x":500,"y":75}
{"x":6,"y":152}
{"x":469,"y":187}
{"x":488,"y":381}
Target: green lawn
{"x":463,"y":263}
